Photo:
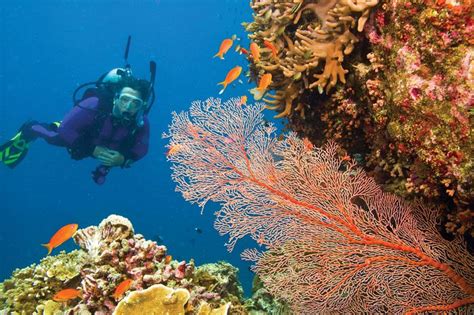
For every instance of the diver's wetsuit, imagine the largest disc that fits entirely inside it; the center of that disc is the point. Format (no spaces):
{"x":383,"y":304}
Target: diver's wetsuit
{"x":80,"y":131}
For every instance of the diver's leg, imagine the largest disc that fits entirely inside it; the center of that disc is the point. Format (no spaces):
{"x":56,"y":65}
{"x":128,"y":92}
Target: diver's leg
{"x":48,"y":132}
{"x":14,"y":150}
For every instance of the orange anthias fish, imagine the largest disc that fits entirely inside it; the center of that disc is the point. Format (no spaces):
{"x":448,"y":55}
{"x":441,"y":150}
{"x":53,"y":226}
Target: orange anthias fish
{"x":265,"y":81}
{"x":272,"y":48}
{"x":308,"y":145}
{"x":173,"y":149}
{"x":66,"y":295}
{"x":225,"y":46}
{"x":243,"y":100}
{"x":255,"y":50}
{"x":122,"y":288}
{"x":62,"y":235}
{"x":168,"y":259}
{"x":231,"y":76}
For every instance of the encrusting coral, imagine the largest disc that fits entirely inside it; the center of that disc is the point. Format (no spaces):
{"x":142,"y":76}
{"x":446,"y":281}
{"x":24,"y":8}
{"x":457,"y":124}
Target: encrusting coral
{"x":405,"y":110}
{"x":421,"y":96}
{"x":311,"y":39}
{"x":157,"y":299}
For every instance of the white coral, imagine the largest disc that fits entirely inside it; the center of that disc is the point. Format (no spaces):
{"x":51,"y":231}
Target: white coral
{"x":90,"y":240}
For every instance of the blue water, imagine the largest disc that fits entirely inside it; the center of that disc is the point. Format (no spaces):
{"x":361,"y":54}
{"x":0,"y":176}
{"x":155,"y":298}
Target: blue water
{"x":47,"y":49}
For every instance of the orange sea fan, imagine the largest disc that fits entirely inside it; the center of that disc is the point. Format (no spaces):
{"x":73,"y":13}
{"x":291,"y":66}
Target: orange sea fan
{"x":332,"y":240}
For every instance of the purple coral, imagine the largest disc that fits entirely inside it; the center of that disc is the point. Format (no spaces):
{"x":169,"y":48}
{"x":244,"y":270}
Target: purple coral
{"x":116,"y":254}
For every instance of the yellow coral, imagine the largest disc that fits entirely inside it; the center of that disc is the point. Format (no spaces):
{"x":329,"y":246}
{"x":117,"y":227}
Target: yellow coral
{"x":205,"y":309}
{"x":322,"y":37}
{"x":156,"y":300}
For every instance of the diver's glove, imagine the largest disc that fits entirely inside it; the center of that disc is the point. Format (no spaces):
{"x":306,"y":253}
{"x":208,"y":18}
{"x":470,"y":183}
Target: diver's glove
{"x":99,"y":174}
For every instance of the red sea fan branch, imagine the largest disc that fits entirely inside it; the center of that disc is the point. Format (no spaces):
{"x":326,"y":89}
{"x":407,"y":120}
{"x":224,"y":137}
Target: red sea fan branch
{"x":333,"y":242}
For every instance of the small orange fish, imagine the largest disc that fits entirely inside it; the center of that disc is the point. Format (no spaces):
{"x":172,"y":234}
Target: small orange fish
{"x":66,"y":295}
{"x":62,"y":235}
{"x":243,"y":100}
{"x":122,"y":288}
{"x":265,"y":81}
{"x":307,"y":144}
{"x":231,"y":76}
{"x":263,"y":84}
{"x":173,"y":149}
{"x":225,"y":46}
{"x":273,"y":49}
{"x":255,"y":50}
{"x":168,"y":259}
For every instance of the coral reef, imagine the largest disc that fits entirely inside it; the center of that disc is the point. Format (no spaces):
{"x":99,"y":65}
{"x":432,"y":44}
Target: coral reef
{"x":30,"y":287}
{"x":405,"y":111}
{"x":263,"y":302}
{"x":310,"y":39}
{"x":221,"y":277}
{"x":421,"y":96}
{"x":330,"y":240}
{"x":111,"y":253}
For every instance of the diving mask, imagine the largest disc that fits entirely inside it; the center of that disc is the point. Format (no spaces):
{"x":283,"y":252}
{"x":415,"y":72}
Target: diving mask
{"x":129,"y":102}
{"x":127,"y":107}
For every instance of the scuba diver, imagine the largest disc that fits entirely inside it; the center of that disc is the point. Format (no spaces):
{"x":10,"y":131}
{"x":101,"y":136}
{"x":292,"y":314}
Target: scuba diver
{"x":109,"y":123}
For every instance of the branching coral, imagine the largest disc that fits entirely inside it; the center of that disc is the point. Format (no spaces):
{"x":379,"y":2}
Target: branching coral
{"x":311,"y":38}
{"x":117,"y":254}
{"x":33,"y":286}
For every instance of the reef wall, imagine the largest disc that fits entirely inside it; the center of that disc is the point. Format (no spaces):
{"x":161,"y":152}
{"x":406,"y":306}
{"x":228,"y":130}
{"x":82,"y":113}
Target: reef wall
{"x":391,"y":82}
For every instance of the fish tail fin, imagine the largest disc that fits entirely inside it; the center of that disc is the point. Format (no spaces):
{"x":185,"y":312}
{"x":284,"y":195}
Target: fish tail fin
{"x":257,"y":94}
{"x":218,"y":55}
{"x":224,"y":84}
{"x":49,"y":247}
